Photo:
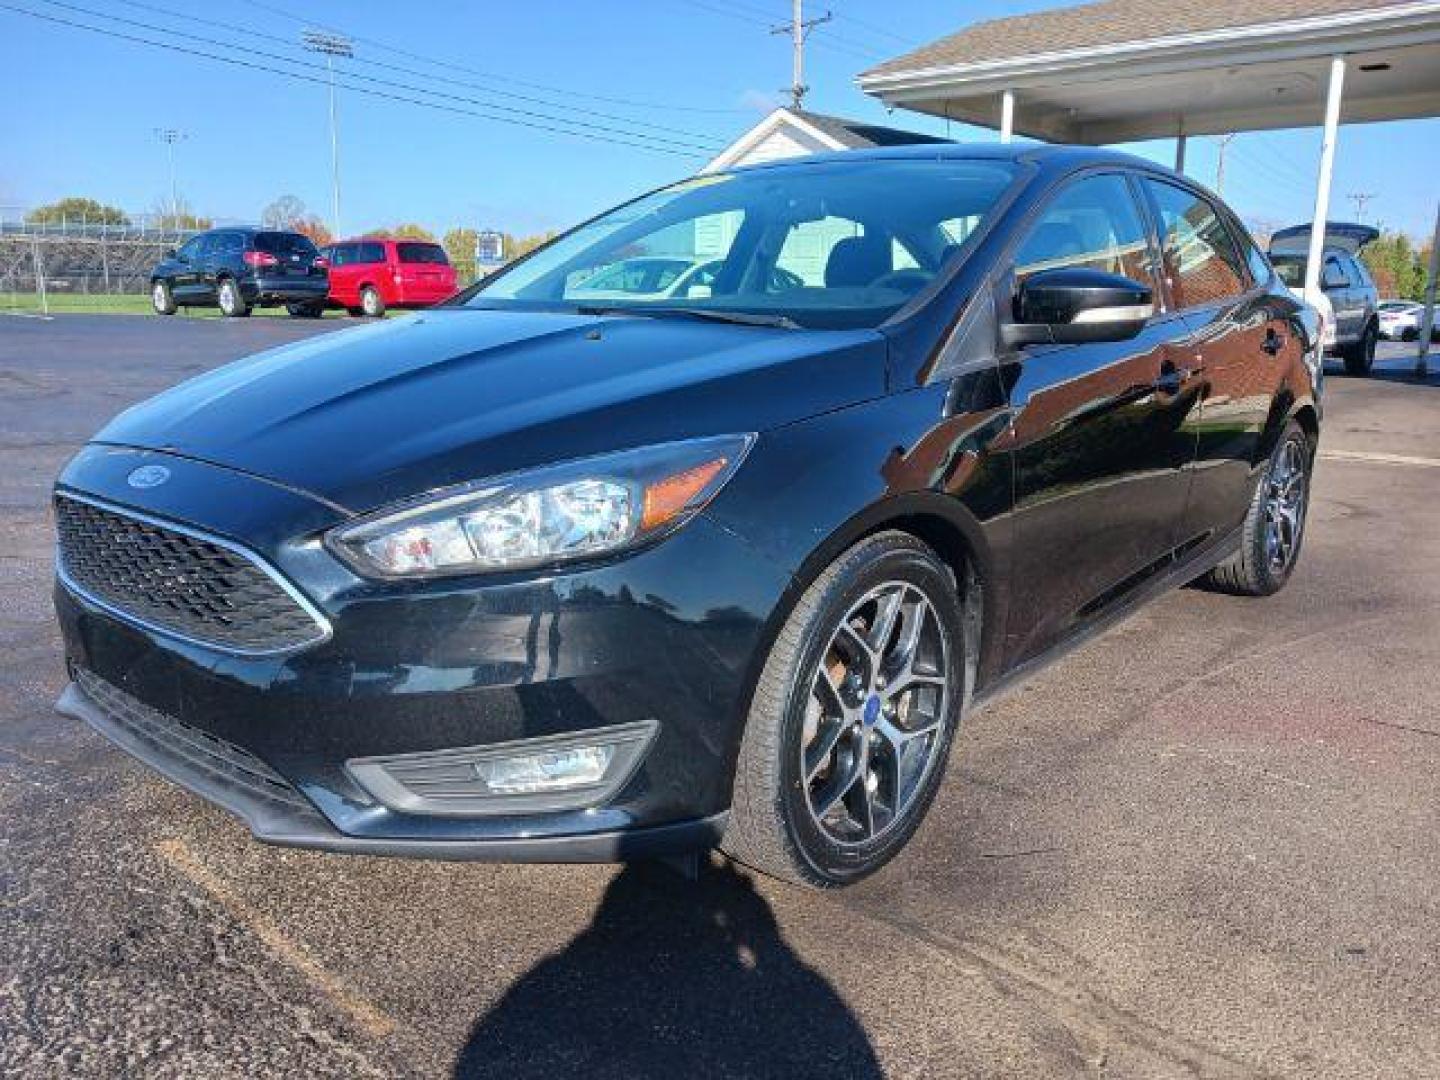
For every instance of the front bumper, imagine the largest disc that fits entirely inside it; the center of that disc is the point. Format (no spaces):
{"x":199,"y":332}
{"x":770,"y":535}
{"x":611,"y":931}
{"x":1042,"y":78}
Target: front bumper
{"x":668,"y":636}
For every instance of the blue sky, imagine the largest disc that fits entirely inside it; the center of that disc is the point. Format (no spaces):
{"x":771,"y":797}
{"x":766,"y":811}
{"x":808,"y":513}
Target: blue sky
{"x":84,"y":108}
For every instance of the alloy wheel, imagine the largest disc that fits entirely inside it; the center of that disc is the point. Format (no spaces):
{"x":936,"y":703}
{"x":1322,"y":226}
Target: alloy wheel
{"x":1285,"y":503}
{"x":159,"y":298}
{"x":874,"y":716}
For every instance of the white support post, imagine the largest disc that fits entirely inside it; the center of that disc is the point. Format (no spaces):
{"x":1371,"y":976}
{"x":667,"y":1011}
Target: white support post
{"x":1007,"y":116}
{"x":1180,"y":152}
{"x":1322,"y":181}
{"x":1427,"y":322}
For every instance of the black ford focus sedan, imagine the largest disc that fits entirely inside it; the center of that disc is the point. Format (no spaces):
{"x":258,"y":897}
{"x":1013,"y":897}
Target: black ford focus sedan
{"x":538,"y":575}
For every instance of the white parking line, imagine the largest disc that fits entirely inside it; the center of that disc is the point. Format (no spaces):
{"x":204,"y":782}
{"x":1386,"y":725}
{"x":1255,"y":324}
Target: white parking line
{"x":1380,"y":459}
{"x":371,"y":1019}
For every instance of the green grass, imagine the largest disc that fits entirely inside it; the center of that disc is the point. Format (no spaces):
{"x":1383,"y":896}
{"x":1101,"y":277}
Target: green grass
{"x":77,"y":304}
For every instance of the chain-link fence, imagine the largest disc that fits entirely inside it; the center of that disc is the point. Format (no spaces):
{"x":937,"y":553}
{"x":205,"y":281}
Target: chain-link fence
{"x":79,"y":263}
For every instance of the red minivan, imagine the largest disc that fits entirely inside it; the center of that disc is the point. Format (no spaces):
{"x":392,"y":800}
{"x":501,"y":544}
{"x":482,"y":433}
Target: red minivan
{"x":371,"y":274}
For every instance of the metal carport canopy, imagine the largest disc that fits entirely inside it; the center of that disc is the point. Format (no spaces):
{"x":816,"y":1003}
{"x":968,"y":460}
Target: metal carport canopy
{"x":1124,"y":70}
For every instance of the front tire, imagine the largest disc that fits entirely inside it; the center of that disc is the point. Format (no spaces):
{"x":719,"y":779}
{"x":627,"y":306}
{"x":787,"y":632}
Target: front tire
{"x":232,"y":302}
{"x":852,"y":719}
{"x":162,"y":299}
{"x":1275,"y":525}
{"x":1360,"y":357}
{"x":372,"y":304}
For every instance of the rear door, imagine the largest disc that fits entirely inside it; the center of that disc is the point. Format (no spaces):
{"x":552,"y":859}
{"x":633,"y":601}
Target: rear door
{"x":207,"y":266}
{"x":1244,"y":345}
{"x":1101,"y":432}
{"x":425,"y":264}
{"x":295,"y":255}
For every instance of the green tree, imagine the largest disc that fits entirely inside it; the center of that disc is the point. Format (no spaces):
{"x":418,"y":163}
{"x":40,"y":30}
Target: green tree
{"x":1393,"y":263}
{"x":515,"y":246}
{"x":459,"y":245}
{"x":76,"y":209}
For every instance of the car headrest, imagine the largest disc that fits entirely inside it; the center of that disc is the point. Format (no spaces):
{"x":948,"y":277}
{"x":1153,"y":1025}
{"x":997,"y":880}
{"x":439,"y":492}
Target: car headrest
{"x":857,"y":261}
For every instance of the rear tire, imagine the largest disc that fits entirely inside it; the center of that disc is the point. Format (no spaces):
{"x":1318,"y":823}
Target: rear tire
{"x":162,"y":299}
{"x":372,"y":304}
{"x":1274,"y":528}
{"x":231,"y":300}
{"x":868,"y":739}
{"x":1360,"y":357}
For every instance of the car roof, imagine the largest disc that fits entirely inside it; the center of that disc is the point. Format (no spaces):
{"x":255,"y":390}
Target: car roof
{"x":1034,"y":153}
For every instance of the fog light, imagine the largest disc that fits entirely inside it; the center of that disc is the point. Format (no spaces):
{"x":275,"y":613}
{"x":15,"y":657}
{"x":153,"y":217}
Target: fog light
{"x":529,"y":776}
{"x":557,"y":770}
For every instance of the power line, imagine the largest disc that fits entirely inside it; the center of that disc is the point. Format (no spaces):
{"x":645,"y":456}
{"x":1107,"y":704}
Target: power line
{"x":799,"y":28}
{"x":829,"y":41}
{"x":389,"y":96}
{"x":547,"y":120}
{"x":630,"y":103}
{"x":1360,"y":198}
{"x":382,"y":65}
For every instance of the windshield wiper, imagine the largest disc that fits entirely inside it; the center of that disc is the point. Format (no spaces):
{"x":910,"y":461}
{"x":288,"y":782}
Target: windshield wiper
{"x":741,"y":318}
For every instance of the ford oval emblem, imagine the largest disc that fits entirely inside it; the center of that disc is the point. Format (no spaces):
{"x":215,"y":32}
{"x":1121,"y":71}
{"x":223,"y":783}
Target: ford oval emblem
{"x":148,"y":476}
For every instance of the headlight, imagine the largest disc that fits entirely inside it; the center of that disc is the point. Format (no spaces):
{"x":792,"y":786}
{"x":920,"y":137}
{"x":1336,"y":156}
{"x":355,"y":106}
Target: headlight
{"x":576,"y":510}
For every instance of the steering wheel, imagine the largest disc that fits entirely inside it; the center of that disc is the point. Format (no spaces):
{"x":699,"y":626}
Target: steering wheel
{"x":908,"y":281}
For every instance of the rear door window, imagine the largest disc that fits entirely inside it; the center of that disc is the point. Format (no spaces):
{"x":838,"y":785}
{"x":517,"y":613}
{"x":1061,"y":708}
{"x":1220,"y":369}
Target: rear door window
{"x":1201,"y":259}
{"x":368,"y":252}
{"x":422,"y":253}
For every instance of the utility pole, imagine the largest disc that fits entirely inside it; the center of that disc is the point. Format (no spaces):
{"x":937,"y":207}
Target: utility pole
{"x":170,"y":136}
{"x":330,"y":46}
{"x":1360,"y":198}
{"x":1224,"y":141}
{"x":799,"y":29}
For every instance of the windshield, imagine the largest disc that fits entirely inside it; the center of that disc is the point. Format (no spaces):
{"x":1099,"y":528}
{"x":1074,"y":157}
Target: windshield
{"x":824,"y":245}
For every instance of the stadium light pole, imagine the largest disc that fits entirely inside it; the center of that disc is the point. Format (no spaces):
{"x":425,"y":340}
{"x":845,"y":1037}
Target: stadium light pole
{"x":170,"y":136}
{"x":330,"y":46}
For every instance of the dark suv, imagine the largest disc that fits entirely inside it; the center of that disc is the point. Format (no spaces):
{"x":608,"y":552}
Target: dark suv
{"x":539,"y":575}
{"x":239,"y":269}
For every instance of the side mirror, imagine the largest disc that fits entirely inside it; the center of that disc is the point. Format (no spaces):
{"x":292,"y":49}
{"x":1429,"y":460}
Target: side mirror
{"x":171,"y":253}
{"x":1074,"y":305}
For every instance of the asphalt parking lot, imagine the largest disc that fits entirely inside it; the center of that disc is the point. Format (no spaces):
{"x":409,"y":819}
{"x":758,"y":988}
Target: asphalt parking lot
{"x":1208,"y":844}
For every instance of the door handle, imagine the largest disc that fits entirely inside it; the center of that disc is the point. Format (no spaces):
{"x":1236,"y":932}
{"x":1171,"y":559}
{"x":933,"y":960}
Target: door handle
{"x":1273,"y":343}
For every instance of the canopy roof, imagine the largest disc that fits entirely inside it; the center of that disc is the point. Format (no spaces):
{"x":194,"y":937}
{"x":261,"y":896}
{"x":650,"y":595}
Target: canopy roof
{"x":1138,"y":69}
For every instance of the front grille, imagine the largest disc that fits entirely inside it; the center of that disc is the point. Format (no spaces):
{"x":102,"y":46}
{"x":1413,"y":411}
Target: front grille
{"x":191,"y":749}
{"x":174,"y":580}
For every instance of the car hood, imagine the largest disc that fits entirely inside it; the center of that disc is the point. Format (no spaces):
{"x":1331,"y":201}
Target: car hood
{"x":364,"y":417}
